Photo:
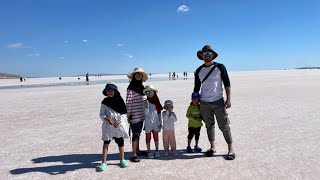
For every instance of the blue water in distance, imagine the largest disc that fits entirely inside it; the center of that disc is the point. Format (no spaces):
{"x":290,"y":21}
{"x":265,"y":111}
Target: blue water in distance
{"x":82,"y":83}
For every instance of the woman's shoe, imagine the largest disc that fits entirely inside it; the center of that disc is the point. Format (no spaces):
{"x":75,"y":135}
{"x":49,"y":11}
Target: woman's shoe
{"x":174,"y":153}
{"x":102,"y":166}
{"x":124,"y":163}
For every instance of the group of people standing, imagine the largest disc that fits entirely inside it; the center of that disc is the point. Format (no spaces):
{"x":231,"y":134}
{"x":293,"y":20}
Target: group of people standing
{"x":149,"y":114}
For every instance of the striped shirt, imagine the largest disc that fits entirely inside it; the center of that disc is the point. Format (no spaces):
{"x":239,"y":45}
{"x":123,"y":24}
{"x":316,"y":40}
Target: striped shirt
{"x":135,"y":106}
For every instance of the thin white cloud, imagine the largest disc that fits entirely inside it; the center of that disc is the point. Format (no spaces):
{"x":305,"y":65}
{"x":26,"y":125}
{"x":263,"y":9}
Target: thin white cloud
{"x":17,"y":45}
{"x":183,"y":8}
{"x":120,"y":45}
{"x":84,"y":40}
{"x":61,"y":57}
{"x":129,"y":55}
{"x":33,"y":55}
{"x":66,"y":41}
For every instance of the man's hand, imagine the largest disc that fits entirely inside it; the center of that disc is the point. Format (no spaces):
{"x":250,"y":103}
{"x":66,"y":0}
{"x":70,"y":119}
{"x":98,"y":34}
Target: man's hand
{"x":227,"y":104}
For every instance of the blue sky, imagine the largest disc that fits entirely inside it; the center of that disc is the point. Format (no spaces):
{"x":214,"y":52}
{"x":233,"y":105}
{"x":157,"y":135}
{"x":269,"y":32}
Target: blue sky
{"x":70,"y":37}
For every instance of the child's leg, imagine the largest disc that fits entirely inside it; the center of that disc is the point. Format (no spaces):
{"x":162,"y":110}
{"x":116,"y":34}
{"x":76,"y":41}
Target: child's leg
{"x":172,"y":141}
{"x":190,"y":135}
{"x":105,"y":151}
{"x":197,"y":134}
{"x":148,"y":139}
{"x":165,"y":137}
{"x":156,"y":139}
{"x":120,"y":143}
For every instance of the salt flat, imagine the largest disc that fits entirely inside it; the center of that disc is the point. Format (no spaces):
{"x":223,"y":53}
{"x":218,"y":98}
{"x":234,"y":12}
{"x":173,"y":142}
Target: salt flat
{"x":54,"y":132}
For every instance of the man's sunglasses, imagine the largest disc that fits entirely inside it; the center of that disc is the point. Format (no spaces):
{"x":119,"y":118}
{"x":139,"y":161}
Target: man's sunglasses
{"x":205,"y":53}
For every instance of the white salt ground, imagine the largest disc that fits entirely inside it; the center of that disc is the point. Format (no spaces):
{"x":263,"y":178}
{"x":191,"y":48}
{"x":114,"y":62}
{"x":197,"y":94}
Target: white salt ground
{"x":54,"y":132}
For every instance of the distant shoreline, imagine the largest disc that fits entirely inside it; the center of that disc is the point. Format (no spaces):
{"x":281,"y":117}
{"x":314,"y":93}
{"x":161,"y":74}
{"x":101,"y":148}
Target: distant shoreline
{"x":13,"y":76}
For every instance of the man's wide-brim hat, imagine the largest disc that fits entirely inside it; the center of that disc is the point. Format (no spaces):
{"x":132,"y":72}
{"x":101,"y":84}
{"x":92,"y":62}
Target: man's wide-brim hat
{"x":140,"y":70}
{"x":207,"y":48}
{"x":150,"y":88}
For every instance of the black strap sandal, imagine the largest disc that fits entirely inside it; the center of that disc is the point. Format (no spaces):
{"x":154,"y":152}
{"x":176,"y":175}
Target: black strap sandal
{"x":210,"y":152}
{"x":231,"y":156}
{"x":142,"y":153}
{"x":134,"y":159}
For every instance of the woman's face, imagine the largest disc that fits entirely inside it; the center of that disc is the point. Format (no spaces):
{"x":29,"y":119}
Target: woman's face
{"x":138,"y":76}
{"x":110,"y":92}
{"x":150,"y":94}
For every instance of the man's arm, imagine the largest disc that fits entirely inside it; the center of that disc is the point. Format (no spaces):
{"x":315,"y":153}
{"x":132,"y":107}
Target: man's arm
{"x":197,"y":82}
{"x":228,"y":100}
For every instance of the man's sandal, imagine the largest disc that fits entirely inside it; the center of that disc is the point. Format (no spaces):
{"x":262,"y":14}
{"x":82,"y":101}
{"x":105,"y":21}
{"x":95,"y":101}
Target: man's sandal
{"x":210,"y":152}
{"x":231,"y":156}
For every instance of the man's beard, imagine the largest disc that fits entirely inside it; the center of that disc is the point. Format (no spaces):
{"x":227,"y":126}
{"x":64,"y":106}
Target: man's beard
{"x":207,"y":60}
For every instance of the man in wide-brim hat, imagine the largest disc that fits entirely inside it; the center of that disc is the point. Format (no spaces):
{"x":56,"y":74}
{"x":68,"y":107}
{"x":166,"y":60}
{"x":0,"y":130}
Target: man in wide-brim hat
{"x":211,"y":77}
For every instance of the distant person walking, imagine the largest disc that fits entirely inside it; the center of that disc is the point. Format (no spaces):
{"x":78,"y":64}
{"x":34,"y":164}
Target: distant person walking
{"x":210,"y":77}
{"x":21,"y":79}
{"x":135,"y":107}
{"x":87,"y":79}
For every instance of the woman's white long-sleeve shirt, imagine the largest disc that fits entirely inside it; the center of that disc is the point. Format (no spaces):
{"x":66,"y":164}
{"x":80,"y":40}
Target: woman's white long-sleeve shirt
{"x":152,"y":119}
{"x":110,"y":131}
{"x":168,"y":120}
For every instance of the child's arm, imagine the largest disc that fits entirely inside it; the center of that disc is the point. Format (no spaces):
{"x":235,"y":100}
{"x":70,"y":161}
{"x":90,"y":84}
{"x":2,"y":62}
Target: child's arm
{"x":189,"y":114}
{"x":102,"y":112}
{"x":173,"y":117}
{"x":160,"y":119}
{"x":146,"y":107}
{"x":105,"y":114}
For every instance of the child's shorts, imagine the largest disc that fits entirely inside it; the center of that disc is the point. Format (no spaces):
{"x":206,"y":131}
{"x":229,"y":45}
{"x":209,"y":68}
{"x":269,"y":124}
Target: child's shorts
{"x":119,"y":141}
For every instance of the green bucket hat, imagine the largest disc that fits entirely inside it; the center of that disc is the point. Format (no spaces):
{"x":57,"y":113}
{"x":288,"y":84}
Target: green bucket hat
{"x":207,"y":48}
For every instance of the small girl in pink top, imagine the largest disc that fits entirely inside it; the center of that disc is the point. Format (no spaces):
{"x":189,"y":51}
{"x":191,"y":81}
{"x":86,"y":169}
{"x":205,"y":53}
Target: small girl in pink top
{"x":169,"y":139}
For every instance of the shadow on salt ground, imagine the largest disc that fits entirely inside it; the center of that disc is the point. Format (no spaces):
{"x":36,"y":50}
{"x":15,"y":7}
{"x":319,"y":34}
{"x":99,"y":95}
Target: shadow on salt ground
{"x":70,"y":162}
{"x":182,"y":154}
{"x":74,"y":162}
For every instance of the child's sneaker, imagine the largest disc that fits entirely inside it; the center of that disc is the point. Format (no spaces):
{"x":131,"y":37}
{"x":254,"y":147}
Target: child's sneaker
{"x":150,"y":155}
{"x":102,"y":166}
{"x":189,"y":150}
{"x":157,"y":154}
{"x":197,"y":148}
{"x":124,"y":163}
{"x":166,"y":153}
{"x":174,"y":153}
